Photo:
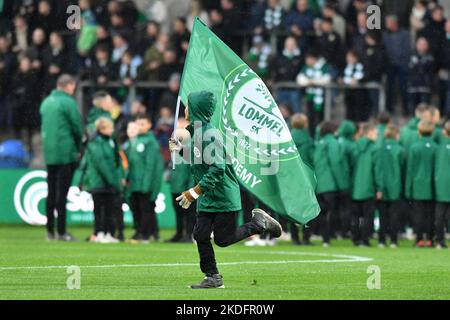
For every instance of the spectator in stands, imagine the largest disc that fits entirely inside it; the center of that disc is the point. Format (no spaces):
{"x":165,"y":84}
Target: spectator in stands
{"x":434,"y":30}
{"x":355,"y":99}
{"x":61,"y":133}
{"x":231,"y":21}
{"x":286,"y":67}
{"x":444,"y":72}
{"x":153,"y":58}
{"x":128,"y":68}
{"x":313,"y":76}
{"x":21,"y":35}
{"x":56,"y":61}
{"x":180,"y":38}
{"x":103,"y":38}
{"x":397,"y":44}
{"x":45,"y":19}
{"x":273,"y":18}
{"x":196,"y":10}
{"x":329,"y":44}
{"x":300,"y":20}
{"x":120,"y":46}
{"x":358,"y":36}
{"x":148,"y":37}
{"x":365,"y":185}
{"x":25,"y":97}
{"x":7,"y":69}
{"x":169,"y":65}
{"x":339,"y":25}
{"x":88,"y":32}
{"x":419,"y":183}
{"x":260,"y":56}
{"x":36,"y":51}
{"x":441,"y":183}
{"x":421,"y":74}
{"x":101,"y":69}
{"x":373,"y":60}
{"x":417,"y":17}
{"x":170,"y":96}
{"x":390,"y":162}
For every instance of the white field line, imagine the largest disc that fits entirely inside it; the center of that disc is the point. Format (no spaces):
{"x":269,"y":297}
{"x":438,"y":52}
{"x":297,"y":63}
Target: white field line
{"x":340,"y":259}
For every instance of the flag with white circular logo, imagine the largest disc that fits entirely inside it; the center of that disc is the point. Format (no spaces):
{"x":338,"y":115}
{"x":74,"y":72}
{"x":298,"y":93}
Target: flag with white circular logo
{"x":257,"y":139}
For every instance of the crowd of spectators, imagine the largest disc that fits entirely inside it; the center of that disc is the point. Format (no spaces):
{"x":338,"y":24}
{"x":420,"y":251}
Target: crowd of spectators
{"x":312,"y":42}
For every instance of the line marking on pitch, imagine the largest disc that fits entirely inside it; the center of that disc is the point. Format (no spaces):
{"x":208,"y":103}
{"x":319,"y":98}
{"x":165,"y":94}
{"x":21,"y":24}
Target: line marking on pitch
{"x":337,"y":258}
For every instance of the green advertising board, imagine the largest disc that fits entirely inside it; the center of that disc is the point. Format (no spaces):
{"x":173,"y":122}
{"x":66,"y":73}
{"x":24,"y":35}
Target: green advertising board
{"x":23,"y":193}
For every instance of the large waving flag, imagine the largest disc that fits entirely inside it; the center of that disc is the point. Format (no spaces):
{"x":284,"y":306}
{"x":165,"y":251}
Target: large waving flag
{"x":257,"y":139}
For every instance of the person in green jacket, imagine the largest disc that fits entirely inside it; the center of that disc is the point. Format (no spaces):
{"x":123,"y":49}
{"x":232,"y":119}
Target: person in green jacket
{"x":145,"y":174}
{"x":365,"y":185}
{"x":442,"y":186}
{"x":216,"y":190}
{"x":435,"y":115}
{"x":101,"y":178}
{"x":328,"y":160}
{"x":409,"y":134}
{"x":383,"y":120}
{"x":391,"y":165}
{"x":102,"y":104}
{"x":305,"y":146}
{"x":180,"y":180}
{"x":419,"y":186}
{"x":61,"y":132}
{"x":346,"y":138}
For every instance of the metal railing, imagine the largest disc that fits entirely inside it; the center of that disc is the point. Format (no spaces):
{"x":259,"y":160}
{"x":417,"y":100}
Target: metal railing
{"x":336,"y":86}
{"x":275,"y":86}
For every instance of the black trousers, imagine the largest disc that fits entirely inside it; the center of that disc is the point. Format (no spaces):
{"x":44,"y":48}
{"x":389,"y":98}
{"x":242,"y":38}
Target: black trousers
{"x":423,"y":216}
{"x":226,"y":233}
{"x":185,"y":219}
{"x":441,"y":220}
{"x":295,"y":230}
{"x":390,"y":217}
{"x":103,"y":212}
{"x":344,"y":208}
{"x":328,"y":204}
{"x":362,"y":220}
{"x":59,"y":178}
{"x":118,"y":225}
{"x":144,"y":215}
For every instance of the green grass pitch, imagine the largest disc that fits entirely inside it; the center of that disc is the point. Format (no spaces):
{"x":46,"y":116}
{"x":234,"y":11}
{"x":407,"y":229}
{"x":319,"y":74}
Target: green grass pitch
{"x":31,"y":268}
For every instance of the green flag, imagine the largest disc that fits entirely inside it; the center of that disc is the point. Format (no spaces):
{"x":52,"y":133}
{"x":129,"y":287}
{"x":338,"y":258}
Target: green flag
{"x":257,"y":139}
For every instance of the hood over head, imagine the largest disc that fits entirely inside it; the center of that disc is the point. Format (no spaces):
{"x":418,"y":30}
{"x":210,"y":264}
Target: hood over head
{"x":201,"y":106}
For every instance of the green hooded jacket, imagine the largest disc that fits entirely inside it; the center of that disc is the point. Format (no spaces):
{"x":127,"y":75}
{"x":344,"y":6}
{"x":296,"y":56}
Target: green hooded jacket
{"x":61,"y":128}
{"x":346,"y":132}
{"x":181,"y":178}
{"x":380,"y":134}
{"x":216,"y":178}
{"x":328,"y":161}
{"x":365,"y":184}
{"x":145,"y":165}
{"x":409,"y":134}
{"x":102,"y":162}
{"x":390,"y":169}
{"x":304,"y":144}
{"x":420,"y":170}
{"x":442,"y":171}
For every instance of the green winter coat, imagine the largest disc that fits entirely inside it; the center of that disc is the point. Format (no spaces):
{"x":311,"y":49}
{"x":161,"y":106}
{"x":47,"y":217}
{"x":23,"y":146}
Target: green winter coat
{"x":61,"y":128}
{"x":304,"y":144}
{"x":364,"y":178}
{"x":390,"y":169}
{"x":420,"y":170}
{"x":217,"y":180}
{"x":346,"y":132}
{"x":409,"y":134}
{"x":328,"y":161}
{"x":380,"y":134}
{"x":93,"y":115}
{"x":181,"y":178}
{"x":102,"y":162}
{"x":442,"y":171}
{"x":145,"y":165}
{"x":438,"y":136}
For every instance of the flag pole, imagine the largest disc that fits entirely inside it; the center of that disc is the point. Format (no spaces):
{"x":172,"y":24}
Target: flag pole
{"x":175,"y":126}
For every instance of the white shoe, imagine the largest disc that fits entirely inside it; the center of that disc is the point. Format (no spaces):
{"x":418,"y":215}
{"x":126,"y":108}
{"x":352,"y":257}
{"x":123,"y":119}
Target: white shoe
{"x":286,"y":236}
{"x":381,"y":246}
{"x":326,"y":245}
{"x":271,"y":242}
{"x":100,"y":238}
{"x":110,"y":239}
{"x":394,"y":246}
{"x":255,"y":241}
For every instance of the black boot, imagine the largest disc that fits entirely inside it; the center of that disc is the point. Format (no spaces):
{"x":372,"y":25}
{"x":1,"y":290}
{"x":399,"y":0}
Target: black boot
{"x":211,"y":281}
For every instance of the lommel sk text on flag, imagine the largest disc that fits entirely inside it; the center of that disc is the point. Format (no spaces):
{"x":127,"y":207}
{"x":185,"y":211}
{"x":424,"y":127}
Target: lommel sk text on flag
{"x":258,"y":141}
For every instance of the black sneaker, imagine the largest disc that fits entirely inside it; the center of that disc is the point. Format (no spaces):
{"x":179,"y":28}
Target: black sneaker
{"x":211,"y":281}
{"x":66,"y":237}
{"x":174,"y":239}
{"x":50,"y":236}
{"x":266,"y":223}
{"x":136,"y":238}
